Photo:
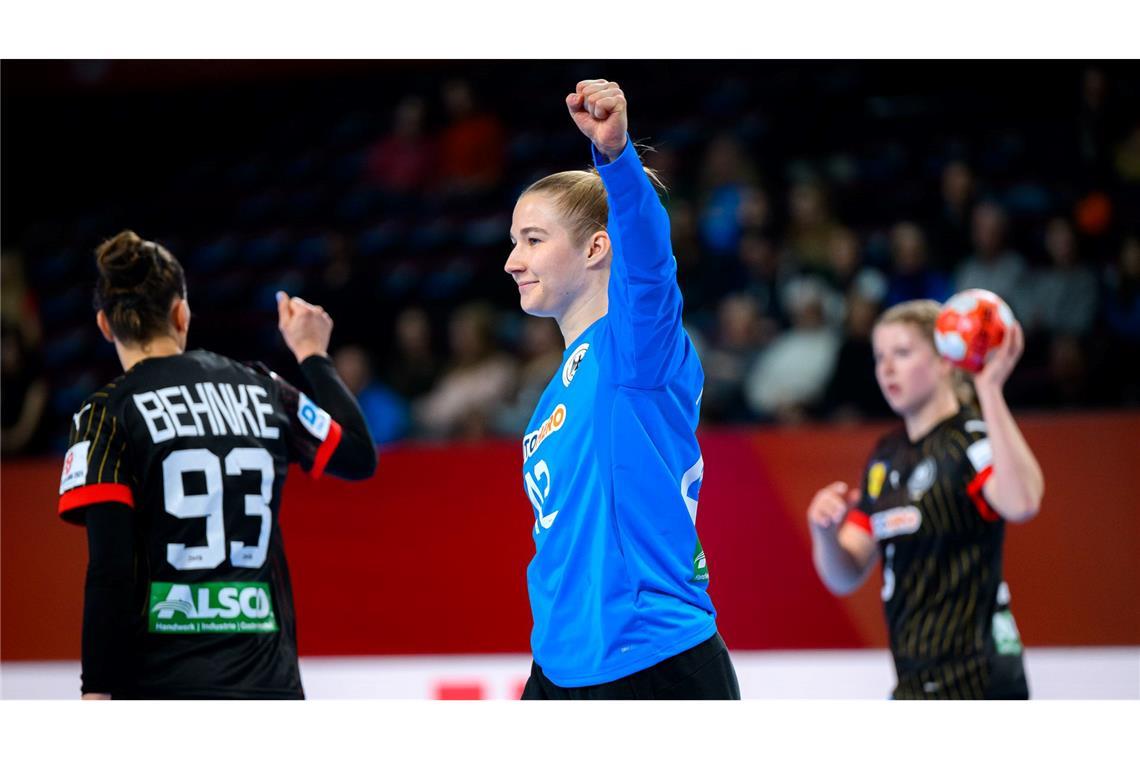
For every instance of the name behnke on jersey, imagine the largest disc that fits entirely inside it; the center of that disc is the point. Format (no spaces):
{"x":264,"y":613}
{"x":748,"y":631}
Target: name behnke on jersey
{"x":177,"y":411}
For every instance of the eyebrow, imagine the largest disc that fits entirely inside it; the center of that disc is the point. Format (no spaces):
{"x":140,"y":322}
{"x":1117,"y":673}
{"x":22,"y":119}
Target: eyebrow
{"x":525,"y":230}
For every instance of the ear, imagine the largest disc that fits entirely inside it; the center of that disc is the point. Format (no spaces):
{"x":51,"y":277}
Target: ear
{"x":598,"y":250}
{"x":104,"y":326}
{"x":180,"y":316}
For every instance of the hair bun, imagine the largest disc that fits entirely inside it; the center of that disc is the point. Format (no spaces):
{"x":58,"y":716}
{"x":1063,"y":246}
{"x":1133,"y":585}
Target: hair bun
{"x":126,"y":260}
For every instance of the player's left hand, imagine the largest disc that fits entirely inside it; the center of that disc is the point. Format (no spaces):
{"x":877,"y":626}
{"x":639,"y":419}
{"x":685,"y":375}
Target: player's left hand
{"x":598,"y":107}
{"x":1001,"y":364}
{"x":305,"y":327}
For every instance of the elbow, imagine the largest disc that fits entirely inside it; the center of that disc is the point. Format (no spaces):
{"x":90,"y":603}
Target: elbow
{"x":1025,"y":512}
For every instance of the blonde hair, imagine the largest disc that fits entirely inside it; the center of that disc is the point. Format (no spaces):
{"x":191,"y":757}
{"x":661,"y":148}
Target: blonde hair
{"x":922,"y":314}
{"x":580,"y":197}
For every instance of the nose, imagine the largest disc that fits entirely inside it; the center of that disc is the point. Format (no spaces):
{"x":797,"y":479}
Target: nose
{"x":514,"y":263}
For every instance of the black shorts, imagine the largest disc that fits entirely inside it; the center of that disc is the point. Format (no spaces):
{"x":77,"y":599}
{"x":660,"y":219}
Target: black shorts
{"x":703,"y":672}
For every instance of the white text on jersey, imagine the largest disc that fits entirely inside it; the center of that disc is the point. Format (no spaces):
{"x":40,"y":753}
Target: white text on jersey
{"x":176,"y":411}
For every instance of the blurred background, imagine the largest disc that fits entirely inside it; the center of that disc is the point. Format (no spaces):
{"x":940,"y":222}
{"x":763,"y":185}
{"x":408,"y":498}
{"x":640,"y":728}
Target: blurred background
{"x":805,"y":197}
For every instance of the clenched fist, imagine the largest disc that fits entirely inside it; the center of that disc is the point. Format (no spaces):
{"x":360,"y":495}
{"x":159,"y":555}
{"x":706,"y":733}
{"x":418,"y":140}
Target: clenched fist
{"x":598,"y":108}
{"x":305,"y":327}
{"x":830,"y":505}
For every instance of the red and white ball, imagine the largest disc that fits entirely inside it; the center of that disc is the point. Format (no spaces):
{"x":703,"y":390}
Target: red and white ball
{"x":971,"y":325}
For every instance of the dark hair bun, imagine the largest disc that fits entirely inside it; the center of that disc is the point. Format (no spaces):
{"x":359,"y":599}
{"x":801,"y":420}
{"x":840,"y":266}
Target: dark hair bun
{"x":125,"y":261}
{"x":138,"y":282}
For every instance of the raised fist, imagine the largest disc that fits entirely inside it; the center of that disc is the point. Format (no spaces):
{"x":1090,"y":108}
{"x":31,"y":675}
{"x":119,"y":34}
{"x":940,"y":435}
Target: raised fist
{"x":305,"y":327}
{"x":598,"y":107}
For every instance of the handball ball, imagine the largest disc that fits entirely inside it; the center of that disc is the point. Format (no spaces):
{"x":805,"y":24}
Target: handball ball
{"x":970,"y":326}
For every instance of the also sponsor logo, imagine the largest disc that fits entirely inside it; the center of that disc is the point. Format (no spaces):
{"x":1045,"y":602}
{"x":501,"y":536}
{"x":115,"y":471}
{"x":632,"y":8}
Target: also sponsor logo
{"x":211,"y":608}
{"x":900,"y":521}
{"x":549,"y":426}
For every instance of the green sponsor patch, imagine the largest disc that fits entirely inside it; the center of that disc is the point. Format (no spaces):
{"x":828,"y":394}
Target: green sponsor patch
{"x":700,"y":565}
{"x":211,"y":608}
{"x":1006,"y":638}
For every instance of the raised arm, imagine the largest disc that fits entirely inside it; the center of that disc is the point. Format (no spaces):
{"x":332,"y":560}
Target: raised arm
{"x":1016,"y":484}
{"x":307,"y":330}
{"x":644,"y":300}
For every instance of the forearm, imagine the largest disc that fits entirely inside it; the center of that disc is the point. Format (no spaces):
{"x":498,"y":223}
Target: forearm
{"x":839,"y":570}
{"x":1017,"y":484}
{"x":643,"y":224}
{"x":108,"y":599}
{"x":355,"y":456}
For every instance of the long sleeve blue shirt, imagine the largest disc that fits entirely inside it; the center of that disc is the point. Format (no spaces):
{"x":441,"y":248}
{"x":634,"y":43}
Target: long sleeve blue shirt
{"x":612,"y":467}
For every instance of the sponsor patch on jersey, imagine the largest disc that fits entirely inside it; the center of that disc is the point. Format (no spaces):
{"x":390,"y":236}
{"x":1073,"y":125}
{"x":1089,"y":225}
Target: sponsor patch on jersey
{"x":975,"y":426}
{"x":980,"y":454}
{"x":922,"y":478}
{"x":875,"y":478}
{"x":1007,"y":639}
{"x":900,"y":521}
{"x":549,"y":426}
{"x":74,"y":467}
{"x":211,"y":608}
{"x":570,"y":368}
{"x":316,"y":420}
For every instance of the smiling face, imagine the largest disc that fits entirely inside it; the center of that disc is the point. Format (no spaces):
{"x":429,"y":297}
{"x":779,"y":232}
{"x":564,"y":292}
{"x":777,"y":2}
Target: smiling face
{"x":907,"y":367}
{"x":550,"y":269}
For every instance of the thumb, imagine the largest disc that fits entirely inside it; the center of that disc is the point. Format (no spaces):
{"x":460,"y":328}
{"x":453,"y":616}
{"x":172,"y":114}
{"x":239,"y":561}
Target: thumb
{"x":284,"y":309}
{"x":853,"y":497}
{"x":575,"y":103}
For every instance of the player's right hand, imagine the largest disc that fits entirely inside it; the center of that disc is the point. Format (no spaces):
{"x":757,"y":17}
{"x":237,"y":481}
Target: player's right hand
{"x":598,"y":107}
{"x":830,"y":505}
{"x":305,"y":327}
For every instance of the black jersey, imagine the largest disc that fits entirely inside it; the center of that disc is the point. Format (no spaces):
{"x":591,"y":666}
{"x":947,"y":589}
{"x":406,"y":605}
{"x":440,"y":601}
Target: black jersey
{"x":198,"y":446}
{"x":951,"y":631}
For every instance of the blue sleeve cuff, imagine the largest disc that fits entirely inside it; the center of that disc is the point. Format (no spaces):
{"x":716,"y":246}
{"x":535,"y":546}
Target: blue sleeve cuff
{"x":623,"y":173}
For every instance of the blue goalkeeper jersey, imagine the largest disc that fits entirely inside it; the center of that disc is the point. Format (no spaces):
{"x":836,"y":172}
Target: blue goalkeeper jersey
{"x":612,"y":467}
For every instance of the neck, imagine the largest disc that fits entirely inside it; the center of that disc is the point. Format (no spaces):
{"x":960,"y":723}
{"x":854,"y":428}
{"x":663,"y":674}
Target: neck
{"x":130,"y":355}
{"x":941,"y":405}
{"x":583,"y":313}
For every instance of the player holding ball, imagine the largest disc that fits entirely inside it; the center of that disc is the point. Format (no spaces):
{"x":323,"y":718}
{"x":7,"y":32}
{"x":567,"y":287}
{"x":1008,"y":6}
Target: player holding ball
{"x":935,"y":497}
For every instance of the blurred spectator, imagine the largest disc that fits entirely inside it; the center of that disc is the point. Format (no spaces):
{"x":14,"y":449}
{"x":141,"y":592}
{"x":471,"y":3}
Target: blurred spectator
{"x":853,"y":393}
{"x":402,"y":160}
{"x":793,"y":371}
{"x":384,"y":411}
{"x":1127,"y":157}
{"x":479,"y":379}
{"x":347,"y":292}
{"x":699,"y":282}
{"x":540,"y":348}
{"x":1122,"y":315}
{"x":740,"y":335}
{"x":472,"y":145}
{"x":414,"y":368}
{"x":24,"y":395}
{"x":764,"y":278}
{"x":950,"y":225}
{"x":845,"y":256}
{"x":993,"y":267}
{"x":731,"y":200}
{"x":911,"y":276}
{"x":1063,"y":298}
{"x":811,"y":227}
